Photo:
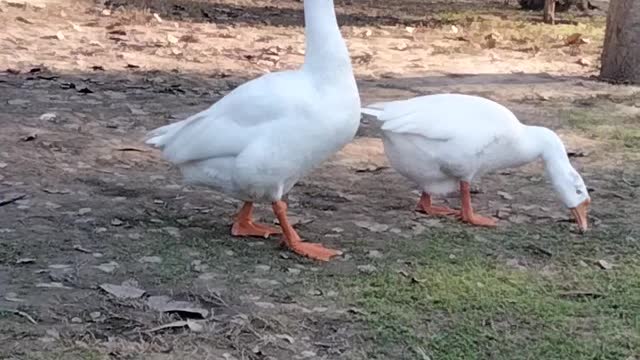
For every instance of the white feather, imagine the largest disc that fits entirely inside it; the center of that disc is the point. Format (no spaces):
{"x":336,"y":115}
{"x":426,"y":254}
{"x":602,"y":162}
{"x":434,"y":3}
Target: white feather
{"x":439,"y":140}
{"x":256,"y":142}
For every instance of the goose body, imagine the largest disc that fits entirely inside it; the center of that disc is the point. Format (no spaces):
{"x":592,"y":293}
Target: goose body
{"x":443,"y":142}
{"x":259,"y":140}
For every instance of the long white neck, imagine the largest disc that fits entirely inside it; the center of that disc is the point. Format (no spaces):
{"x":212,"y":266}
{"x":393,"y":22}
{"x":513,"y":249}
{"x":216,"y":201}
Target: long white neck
{"x":326,"y":53}
{"x":540,"y":142}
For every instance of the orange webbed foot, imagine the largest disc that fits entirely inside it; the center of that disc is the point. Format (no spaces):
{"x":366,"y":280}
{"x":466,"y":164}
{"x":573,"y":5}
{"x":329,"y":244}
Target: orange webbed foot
{"x":480,"y":220}
{"x":312,"y":250}
{"x":292,"y":240}
{"x":425,"y":206}
{"x":249,"y":228}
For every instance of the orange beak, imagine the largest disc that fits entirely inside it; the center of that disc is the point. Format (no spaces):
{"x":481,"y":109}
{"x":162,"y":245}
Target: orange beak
{"x":580,"y":214}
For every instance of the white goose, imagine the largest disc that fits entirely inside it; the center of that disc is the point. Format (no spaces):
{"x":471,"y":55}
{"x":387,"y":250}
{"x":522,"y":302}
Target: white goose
{"x":447,"y":140}
{"x":259,"y":140}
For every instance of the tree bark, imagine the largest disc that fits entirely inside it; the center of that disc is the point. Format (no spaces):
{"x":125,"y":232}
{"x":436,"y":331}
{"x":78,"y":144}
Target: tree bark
{"x":550,"y":11}
{"x":621,"y":53}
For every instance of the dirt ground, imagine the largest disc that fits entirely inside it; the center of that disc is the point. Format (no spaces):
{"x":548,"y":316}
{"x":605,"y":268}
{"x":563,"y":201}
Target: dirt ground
{"x":90,"y":218}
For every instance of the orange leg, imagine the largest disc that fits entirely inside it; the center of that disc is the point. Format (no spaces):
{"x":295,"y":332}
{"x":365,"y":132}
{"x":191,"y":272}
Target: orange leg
{"x":425,"y":206}
{"x":467,"y":210}
{"x":292,"y":240}
{"x":244,"y":225}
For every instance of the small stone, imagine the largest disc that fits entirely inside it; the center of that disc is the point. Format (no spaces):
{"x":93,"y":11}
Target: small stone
{"x":48,"y":117}
{"x":95,"y":315}
{"x":117,"y":222}
{"x":263,"y":268}
{"x":367,"y":269}
{"x":374,"y":254}
{"x":294,"y":271}
{"x":150,"y":259}
{"x":76,"y":320}
{"x":84,"y":211}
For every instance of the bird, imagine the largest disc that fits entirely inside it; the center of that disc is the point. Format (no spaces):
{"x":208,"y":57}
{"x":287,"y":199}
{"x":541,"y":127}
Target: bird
{"x":443,"y":142}
{"x":256,"y":142}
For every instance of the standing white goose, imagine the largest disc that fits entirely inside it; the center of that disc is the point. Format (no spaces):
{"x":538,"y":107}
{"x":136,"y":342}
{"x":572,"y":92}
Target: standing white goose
{"x":259,"y":140}
{"x":447,"y":140}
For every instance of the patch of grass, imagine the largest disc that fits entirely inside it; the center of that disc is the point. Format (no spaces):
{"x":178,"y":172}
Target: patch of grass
{"x":605,"y":122}
{"x":474,"y":306}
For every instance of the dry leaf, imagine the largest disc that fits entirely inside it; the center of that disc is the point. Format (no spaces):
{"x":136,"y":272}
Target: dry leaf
{"x":605,"y":265}
{"x":172,"y":39}
{"x":123,"y":291}
{"x":23,"y":20}
{"x":505,"y":195}
{"x":12,"y":297}
{"x":186,"y":309}
{"x":150,"y":259}
{"x":108,"y":267}
{"x":52,"y":285}
{"x":60,"y":35}
{"x":192,"y":325}
{"x":573,"y":39}
{"x":25,"y":261}
{"x":583,"y":62}
{"x":371,"y":226}
{"x":157,"y":17}
{"x":401,"y":46}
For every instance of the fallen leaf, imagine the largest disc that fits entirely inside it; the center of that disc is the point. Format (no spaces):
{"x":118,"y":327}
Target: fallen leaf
{"x":371,"y":226}
{"x":186,"y":309}
{"x":286,"y":337}
{"x":157,"y":17}
{"x":401,"y":46}
{"x":123,"y":291}
{"x":150,"y":259}
{"x":12,"y":297}
{"x":172,"y":39}
{"x":23,"y":20}
{"x":52,"y":285}
{"x":583,"y":62}
{"x":108,"y":267}
{"x":60,"y":35}
{"x":117,"y":222}
{"x":25,"y":261}
{"x":106,"y":12}
{"x":84,"y":211}
{"x":81,"y":249}
{"x":48,"y":117}
{"x":192,"y":325}
{"x":505,"y":195}
{"x":572,"y":39}
{"x":605,"y":265}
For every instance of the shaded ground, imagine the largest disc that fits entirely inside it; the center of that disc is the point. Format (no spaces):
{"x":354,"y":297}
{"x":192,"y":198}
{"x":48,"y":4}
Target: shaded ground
{"x":93,"y":206}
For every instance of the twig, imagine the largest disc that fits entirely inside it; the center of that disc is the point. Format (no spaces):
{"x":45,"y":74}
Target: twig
{"x":628,"y":182}
{"x":582,"y":294}
{"x":11,"y":199}
{"x":20,"y":313}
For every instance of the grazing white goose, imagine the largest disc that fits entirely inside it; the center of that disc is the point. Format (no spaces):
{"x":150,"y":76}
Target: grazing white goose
{"x":259,"y":140}
{"x":445,"y":141}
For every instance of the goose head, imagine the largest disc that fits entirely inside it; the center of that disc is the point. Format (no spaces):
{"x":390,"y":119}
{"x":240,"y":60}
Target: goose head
{"x":571,"y":189}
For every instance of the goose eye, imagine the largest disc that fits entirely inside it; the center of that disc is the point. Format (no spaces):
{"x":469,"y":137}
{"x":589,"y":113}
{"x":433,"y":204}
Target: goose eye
{"x":579,"y":192}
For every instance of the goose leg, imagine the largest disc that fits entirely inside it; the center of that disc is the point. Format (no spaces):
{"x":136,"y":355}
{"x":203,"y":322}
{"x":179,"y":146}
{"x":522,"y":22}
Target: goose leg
{"x":425,"y":206}
{"x":244,"y":225}
{"x":467,"y":211}
{"x":293,"y":241}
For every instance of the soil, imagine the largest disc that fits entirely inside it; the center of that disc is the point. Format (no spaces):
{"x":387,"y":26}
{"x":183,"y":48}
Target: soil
{"x":88,"y":204}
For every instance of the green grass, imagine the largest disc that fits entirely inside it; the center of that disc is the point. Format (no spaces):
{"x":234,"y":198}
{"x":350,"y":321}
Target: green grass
{"x":603,"y":122}
{"x":474,"y":306}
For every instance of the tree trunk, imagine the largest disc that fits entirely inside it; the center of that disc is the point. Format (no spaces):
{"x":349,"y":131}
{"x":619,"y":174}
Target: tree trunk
{"x":550,"y":11}
{"x":621,"y":53}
